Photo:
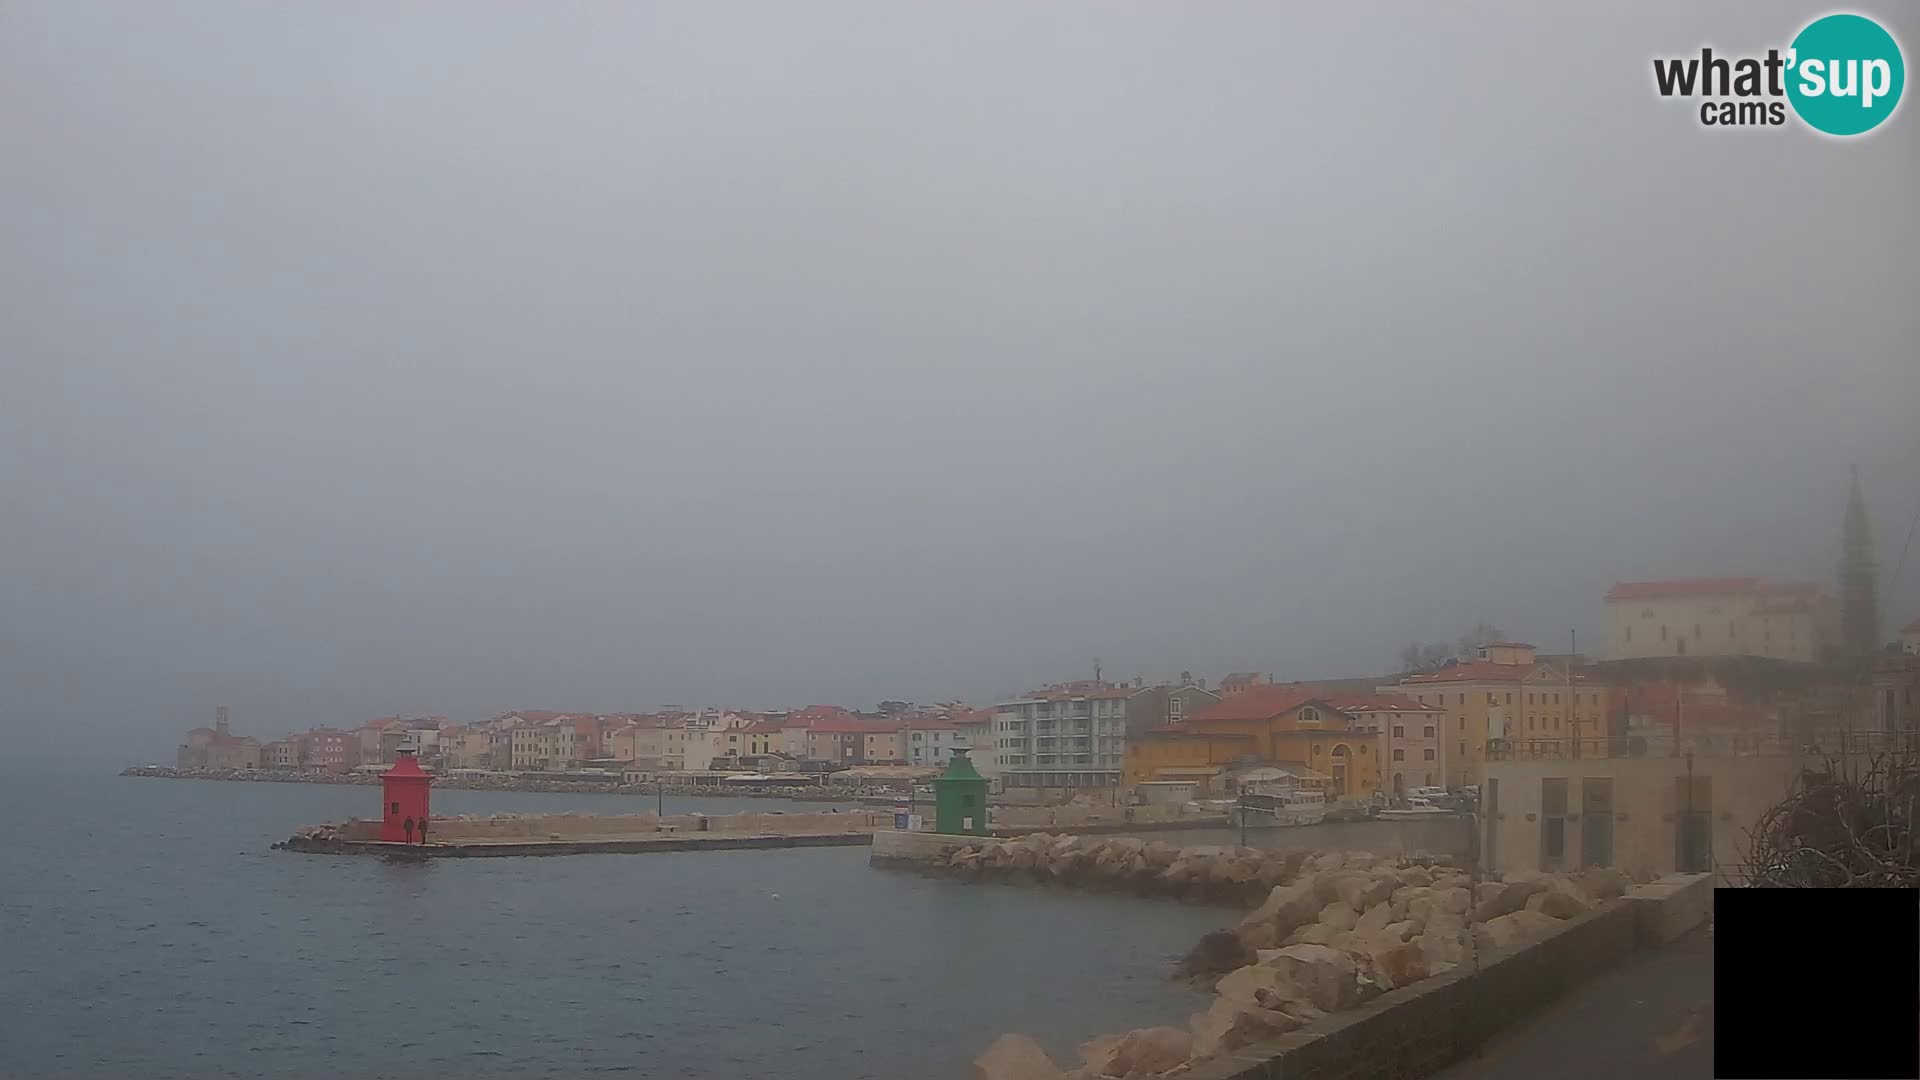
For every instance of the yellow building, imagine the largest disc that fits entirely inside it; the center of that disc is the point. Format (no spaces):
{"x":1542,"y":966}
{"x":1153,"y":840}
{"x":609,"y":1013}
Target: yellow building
{"x":1264,"y":725}
{"x":1505,"y":693}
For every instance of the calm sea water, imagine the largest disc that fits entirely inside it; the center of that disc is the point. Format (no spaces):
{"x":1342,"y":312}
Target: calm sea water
{"x":148,"y":929}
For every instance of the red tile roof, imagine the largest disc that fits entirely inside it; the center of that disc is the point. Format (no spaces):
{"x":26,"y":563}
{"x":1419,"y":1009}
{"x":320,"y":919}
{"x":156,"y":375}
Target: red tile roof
{"x":1655,"y":590}
{"x":1911,"y":628}
{"x":853,"y":725}
{"x":1257,"y":703}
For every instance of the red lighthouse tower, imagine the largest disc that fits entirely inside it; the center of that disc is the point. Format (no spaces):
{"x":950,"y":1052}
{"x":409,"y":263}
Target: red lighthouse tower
{"x":404,"y":798}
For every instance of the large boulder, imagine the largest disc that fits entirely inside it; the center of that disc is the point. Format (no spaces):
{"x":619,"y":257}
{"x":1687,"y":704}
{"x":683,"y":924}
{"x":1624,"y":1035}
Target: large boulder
{"x":1015,"y":1057}
{"x":1259,"y":985}
{"x":1229,"y":1024}
{"x":1362,"y":891}
{"x":1319,"y":933}
{"x":1375,"y":921}
{"x":1339,"y":915}
{"x":1504,"y":898}
{"x":1559,"y":903}
{"x":1517,"y":928}
{"x":1604,"y":884}
{"x":1398,"y":964}
{"x":1416,"y":875}
{"x":1441,"y":947}
{"x":1329,"y":977}
{"x":1287,"y":907}
{"x":1146,"y":1052}
{"x":1214,"y":955}
{"x":1454,"y":900}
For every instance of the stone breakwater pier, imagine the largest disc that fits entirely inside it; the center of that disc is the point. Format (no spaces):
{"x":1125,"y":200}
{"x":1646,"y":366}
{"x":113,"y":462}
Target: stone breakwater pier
{"x":586,"y":834}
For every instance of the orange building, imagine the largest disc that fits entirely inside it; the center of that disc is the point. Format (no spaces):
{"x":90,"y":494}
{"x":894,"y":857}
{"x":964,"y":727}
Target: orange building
{"x":1263,"y":725}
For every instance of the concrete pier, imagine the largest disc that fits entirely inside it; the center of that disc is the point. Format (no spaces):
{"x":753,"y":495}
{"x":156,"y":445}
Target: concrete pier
{"x":503,"y":848}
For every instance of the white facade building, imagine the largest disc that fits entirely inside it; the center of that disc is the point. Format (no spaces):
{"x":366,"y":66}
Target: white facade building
{"x":1720,"y":617}
{"x":1070,"y":736}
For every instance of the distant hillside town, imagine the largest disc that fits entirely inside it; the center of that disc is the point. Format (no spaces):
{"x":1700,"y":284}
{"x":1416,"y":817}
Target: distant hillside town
{"x":1703,"y":669}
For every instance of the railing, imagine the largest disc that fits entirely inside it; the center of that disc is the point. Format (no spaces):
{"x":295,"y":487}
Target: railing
{"x":1654,"y":745}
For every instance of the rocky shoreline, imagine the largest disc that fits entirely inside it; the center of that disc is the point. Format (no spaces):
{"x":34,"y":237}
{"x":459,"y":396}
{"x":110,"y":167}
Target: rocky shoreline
{"x":1333,"y":931}
{"x":807,"y":793}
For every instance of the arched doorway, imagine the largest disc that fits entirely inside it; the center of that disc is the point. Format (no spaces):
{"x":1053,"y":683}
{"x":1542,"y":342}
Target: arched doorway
{"x":1340,"y":769}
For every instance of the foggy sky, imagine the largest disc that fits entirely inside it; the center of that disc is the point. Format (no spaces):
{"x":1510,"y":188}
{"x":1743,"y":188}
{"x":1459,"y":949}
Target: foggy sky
{"x":360,"y":359}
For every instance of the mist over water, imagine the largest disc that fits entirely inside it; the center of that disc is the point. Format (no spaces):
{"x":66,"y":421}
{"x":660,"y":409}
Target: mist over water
{"x":154,"y":933}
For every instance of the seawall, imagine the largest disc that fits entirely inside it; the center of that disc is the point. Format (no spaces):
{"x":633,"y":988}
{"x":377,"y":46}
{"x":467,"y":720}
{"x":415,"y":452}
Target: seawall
{"x":1422,"y":1028}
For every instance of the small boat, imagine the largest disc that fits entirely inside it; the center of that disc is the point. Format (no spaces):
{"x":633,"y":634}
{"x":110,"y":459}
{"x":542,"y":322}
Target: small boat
{"x":1290,"y":808}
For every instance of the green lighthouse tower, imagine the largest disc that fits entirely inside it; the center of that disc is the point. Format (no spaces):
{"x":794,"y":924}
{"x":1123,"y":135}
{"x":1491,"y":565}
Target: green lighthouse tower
{"x":960,"y":799}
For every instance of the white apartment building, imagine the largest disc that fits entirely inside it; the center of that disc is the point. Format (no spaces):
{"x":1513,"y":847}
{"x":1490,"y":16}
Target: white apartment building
{"x":1068,"y":736}
{"x":1743,"y":616}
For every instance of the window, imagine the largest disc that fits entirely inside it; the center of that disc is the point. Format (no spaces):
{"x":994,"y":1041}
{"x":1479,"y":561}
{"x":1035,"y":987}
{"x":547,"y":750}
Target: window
{"x":1401,"y":755}
{"x":1509,"y":699}
{"x":1663,"y":633}
{"x":1629,"y":633}
{"x":1463,"y":699}
{"x":1309,"y":716}
{"x":395,"y":809}
{"x":1428,"y":753}
{"x":1490,"y":697}
{"x":1463,"y":749}
{"x":1400,"y":732}
{"x":1176,"y":707}
{"x":1429,"y":733}
{"x":1553,"y":818}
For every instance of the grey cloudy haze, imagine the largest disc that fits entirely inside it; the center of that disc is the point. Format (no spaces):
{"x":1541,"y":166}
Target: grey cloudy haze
{"x":449,"y":358}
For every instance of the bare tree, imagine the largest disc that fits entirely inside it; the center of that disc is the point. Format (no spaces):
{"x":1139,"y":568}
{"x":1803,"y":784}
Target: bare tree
{"x":1483,"y":633}
{"x":1847,"y":825}
{"x":1417,"y":657}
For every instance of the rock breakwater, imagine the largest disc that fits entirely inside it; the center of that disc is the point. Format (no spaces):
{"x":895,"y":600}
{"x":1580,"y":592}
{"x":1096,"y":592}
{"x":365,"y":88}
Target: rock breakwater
{"x":1337,"y":930}
{"x":1198,"y":874}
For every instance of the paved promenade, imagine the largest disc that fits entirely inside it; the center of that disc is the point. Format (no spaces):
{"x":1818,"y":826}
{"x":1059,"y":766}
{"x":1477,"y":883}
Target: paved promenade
{"x":1651,"y":1018}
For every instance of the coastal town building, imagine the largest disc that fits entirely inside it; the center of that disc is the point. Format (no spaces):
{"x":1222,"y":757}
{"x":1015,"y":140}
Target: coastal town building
{"x":1286,"y":726}
{"x":1894,"y":682}
{"x":1504,"y":693}
{"x":1070,"y":735}
{"x":1910,"y":638}
{"x":1407,"y":738}
{"x":931,"y":739}
{"x":1151,"y":707}
{"x":218,"y":747}
{"x":1733,"y":616}
{"x":845,"y":738}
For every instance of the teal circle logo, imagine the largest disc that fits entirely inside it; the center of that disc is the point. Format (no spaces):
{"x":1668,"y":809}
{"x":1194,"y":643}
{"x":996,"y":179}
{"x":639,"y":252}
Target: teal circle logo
{"x":1845,"y":74}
